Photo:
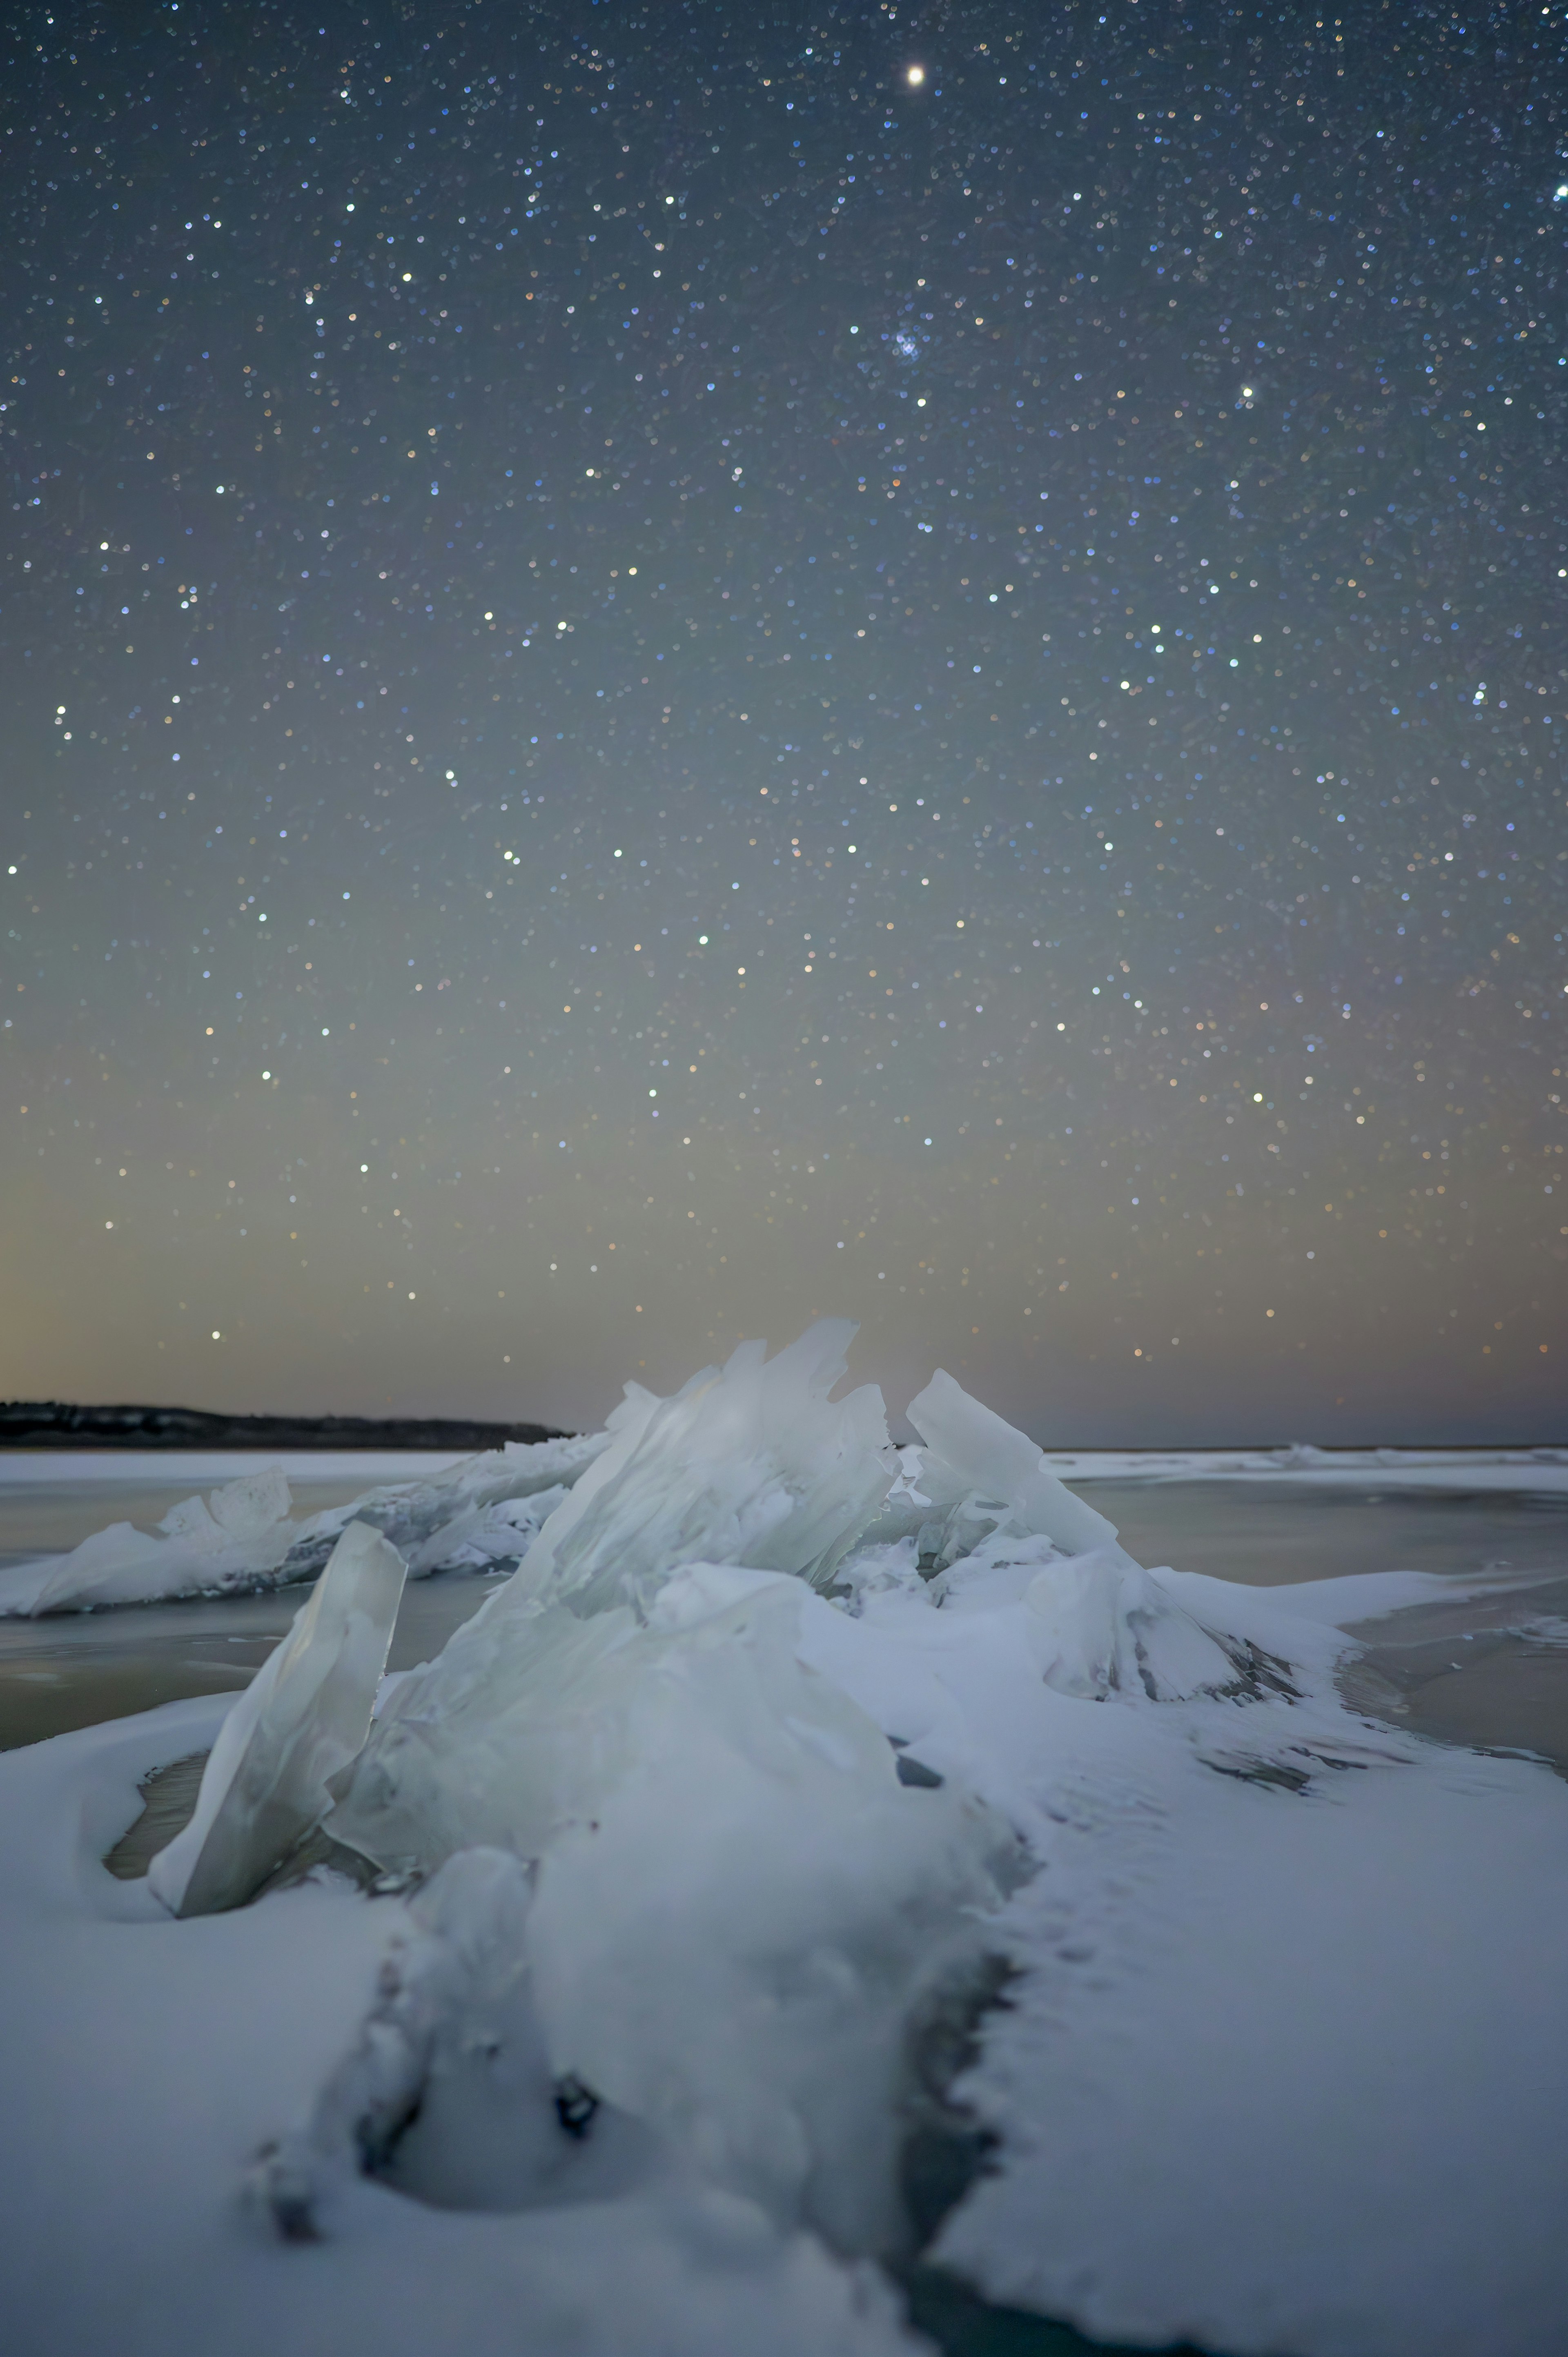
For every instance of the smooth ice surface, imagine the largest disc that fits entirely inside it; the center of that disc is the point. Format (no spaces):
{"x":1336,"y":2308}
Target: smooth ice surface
{"x":1282,"y":2065}
{"x":303,"y":1718}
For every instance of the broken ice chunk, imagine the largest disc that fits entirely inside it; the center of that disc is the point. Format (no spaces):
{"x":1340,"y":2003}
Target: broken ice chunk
{"x":238,"y":1539}
{"x":301,"y":1719}
{"x":750,"y":1464}
{"x":411,"y":1514}
{"x":487,"y":1535}
{"x":1001,"y":1471}
{"x":1100,"y":1623}
{"x":494,"y":1745}
{"x":731,"y":1944}
{"x":740,"y":1900}
{"x":249,"y":1507}
{"x":753,"y":1465}
{"x":1099,"y":1627}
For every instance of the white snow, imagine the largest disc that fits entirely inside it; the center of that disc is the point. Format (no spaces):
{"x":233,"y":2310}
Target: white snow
{"x":1541,"y":1470}
{"x":1286,"y":2070}
{"x":775,"y":1735}
{"x":146,"y":2063}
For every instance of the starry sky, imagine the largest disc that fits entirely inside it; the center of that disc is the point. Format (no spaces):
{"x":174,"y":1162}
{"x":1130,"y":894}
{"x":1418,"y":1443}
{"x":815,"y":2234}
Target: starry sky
{"x":668,"y":666}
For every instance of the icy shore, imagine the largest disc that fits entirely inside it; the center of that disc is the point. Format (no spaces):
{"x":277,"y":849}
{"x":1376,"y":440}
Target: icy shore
{"x":242,"y":1537}
{"x":785,"y":1765}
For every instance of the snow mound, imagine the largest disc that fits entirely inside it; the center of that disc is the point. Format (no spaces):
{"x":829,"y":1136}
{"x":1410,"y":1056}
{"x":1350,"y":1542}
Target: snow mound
{"x":739,"y":1901}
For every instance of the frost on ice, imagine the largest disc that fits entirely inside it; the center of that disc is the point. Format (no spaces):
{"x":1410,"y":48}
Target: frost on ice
{"x":300,"y":1721}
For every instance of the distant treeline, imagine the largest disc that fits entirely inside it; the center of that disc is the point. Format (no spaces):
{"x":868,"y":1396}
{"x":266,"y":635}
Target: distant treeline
{"x":55,"y":1424}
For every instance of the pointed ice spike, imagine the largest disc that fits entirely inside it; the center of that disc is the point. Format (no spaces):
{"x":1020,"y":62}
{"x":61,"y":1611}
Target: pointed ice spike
{"x":750,"y":1463}
{"x":993,"y":1457}
{"x":818,"y":1357}
{"x":303,"y":1718}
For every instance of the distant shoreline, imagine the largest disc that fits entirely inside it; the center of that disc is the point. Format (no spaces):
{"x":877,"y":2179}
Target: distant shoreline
{"x":54,"y":1427}
{"x":57,"y":1425}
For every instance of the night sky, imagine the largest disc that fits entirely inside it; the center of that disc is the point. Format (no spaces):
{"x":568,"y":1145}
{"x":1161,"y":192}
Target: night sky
{"x":670,"y":666}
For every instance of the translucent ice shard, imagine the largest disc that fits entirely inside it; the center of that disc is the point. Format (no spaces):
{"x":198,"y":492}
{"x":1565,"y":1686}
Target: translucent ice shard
{"x":751,"y":1465}
{"x":431,"y":1521}
{"x":299,"y":1724}
{"x":497,"y":1746}
{"x":747,"y":1464}
{"x":999,"y":1467}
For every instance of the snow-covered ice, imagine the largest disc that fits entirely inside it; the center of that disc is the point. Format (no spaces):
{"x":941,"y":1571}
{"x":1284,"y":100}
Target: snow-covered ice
{"x":779,"y":1756}
{"x":146,"y":2064}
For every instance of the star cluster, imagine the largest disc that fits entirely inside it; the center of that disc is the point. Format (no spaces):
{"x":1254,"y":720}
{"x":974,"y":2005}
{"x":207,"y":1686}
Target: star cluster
{"x":674,"y":666}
